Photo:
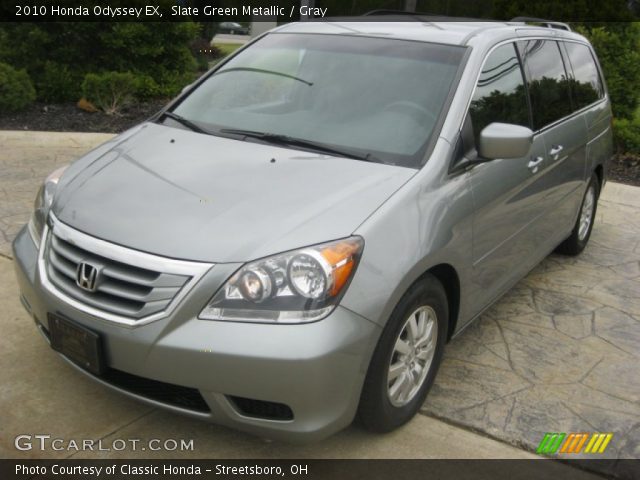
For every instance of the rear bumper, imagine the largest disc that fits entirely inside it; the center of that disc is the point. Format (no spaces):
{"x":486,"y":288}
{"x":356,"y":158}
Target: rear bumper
{"x":316,"y":369}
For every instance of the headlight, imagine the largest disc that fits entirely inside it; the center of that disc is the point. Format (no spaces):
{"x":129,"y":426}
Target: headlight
{"x":42,"y":204}
{"x":293,"y":287}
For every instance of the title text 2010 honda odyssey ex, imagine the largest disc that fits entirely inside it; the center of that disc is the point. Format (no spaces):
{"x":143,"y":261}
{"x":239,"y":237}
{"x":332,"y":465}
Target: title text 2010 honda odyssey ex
{"x":291,"y":243}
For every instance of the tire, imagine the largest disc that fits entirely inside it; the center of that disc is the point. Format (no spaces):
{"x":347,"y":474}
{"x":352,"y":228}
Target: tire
{"x":385,"y":405}
{"x":582,"y":231}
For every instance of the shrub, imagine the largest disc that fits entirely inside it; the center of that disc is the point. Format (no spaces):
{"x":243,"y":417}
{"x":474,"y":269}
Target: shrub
{"x":146,"y":87}
{"x":204,"y":52}
{"x":16,"y":90}
{"x":203,"y":64}
{"x":109,"y":91}
{"x":79,"y":48}
{"x":618,"y":48}
{"x":202,"y":48}
{"x":627,"y":135}
{"x":170,"y":83}
{"x":58,"y":83}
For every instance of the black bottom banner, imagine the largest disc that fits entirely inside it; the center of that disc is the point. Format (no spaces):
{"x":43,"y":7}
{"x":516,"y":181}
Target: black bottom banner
{"x":318,"y":469}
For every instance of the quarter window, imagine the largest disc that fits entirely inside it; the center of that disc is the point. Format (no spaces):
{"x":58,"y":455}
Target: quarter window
{"x":548,"y":82}
{"x":500,"y":95}
{"x":587,"y":87}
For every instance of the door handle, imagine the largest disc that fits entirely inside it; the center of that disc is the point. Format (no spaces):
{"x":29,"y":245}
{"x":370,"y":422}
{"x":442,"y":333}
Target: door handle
{"x":534,"y":163}
{"x":555,"y":151}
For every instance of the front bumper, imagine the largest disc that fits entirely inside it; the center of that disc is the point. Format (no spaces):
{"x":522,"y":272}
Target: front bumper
{"x":315,"y":369}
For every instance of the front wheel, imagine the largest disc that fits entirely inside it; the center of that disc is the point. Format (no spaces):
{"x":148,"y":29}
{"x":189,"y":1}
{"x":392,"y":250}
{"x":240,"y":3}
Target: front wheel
{"x":407,"y":357}
{"x":584,"y":224}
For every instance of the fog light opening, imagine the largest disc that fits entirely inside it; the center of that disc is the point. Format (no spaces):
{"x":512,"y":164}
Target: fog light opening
{"x":261,"y":409}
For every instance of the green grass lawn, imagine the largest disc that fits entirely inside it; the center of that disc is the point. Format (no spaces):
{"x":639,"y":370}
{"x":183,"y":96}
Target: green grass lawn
{"x":227,"y":48}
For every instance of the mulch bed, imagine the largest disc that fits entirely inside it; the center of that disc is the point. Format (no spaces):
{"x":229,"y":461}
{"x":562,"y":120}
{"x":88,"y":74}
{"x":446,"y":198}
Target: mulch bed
{"x":66,"y":117}
{"x":625,"y":168}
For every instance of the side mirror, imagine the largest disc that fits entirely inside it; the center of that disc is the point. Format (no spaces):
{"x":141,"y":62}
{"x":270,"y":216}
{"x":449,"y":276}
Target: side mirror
{"x":504,"y":140}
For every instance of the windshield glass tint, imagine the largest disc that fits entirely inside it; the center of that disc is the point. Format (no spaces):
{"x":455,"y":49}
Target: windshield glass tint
{"x":365,"y":95}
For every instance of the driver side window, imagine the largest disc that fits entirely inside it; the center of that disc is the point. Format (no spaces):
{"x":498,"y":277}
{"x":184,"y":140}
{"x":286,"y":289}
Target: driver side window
{"x":500,"y":95}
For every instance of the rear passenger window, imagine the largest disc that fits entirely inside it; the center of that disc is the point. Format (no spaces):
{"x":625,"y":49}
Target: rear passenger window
{"x":500,"y":95}
{"x":547,"y":79}
{"x":587,"y":87}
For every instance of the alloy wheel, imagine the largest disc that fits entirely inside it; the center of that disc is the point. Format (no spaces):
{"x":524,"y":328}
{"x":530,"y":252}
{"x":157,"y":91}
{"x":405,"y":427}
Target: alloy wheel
{"x":586,"y":213}
{"x":412,"y":356}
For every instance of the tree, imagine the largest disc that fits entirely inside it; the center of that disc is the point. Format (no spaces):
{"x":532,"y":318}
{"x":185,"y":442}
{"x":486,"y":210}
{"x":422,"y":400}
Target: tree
{"x":618,"y":48}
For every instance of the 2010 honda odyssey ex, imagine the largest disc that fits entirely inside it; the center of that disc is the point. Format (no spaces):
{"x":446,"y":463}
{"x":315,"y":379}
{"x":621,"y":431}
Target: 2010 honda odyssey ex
{"x":293,"y":240}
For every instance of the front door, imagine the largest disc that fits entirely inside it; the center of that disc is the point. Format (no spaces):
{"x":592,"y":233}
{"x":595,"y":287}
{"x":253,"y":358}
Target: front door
{"x":510,"y":194}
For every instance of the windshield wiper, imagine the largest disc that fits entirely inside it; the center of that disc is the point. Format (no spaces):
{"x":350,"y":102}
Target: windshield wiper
{"x":278,"y":139}
{"x":262,"y":70}
{"x":187,"y":123}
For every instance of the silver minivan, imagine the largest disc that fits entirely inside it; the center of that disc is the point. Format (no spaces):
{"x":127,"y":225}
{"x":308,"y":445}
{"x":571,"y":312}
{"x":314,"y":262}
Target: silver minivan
{"x":291,"y":242}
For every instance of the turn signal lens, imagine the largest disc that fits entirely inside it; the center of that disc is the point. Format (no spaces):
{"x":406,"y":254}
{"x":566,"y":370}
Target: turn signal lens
{"x":341,"y":257}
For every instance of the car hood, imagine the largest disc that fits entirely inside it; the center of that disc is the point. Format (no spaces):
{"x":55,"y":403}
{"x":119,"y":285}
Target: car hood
{"x":185,"y":195}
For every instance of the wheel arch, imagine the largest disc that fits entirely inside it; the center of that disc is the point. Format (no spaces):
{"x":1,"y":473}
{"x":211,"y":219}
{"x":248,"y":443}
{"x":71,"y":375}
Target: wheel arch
{"x":448,"y":277}
{"x":599,"y":171}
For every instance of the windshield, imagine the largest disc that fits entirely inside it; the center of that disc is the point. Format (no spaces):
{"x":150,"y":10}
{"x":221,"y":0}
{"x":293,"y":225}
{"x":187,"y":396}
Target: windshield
{"x":378,"y":99}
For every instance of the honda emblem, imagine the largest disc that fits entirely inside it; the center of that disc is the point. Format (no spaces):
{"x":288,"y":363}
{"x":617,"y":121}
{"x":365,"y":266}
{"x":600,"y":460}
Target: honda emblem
{"x":87,"y":277}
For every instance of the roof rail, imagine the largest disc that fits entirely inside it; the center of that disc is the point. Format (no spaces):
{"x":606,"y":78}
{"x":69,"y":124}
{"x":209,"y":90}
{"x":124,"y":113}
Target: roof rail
{"x":543,"y":22}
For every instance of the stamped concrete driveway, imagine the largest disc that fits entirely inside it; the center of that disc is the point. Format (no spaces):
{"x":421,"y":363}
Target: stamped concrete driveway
{"x":559,"y":353}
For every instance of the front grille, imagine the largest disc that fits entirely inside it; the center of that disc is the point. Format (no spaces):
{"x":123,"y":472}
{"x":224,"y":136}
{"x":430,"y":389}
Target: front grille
{"x":261,"y":409}
{"x":121,"y":289}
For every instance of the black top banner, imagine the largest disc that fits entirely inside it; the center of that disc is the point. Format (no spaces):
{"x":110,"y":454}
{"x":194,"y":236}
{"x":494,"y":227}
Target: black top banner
{"x":295,"y":10}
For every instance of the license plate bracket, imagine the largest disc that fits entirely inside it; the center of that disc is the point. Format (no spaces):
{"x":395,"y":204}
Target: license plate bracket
{"x":77,"y":343}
